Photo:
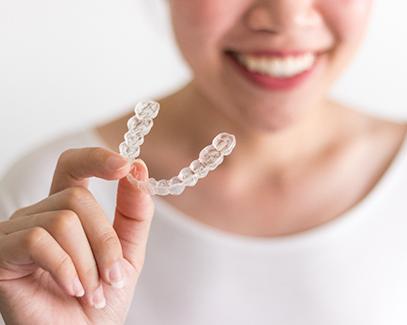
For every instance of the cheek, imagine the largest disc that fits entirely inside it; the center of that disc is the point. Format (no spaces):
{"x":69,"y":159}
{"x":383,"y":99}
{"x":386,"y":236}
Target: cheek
{"x":194,"y":17}
{"x":203,"y":22}
{"x":199,"y":27}
{"x":348,"y":19}
{"x":206,"y":12}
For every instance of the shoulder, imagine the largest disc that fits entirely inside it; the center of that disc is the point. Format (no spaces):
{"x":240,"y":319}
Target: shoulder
{"x":388,"y":135}
{"x":372,"y":141}
{"x":28,"y":178}
{"x":360,"y":126}
{"x":385,"y":136}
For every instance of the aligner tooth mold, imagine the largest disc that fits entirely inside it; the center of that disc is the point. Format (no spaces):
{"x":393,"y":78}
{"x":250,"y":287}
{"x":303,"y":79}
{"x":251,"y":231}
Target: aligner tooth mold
{"x":209,"y":158}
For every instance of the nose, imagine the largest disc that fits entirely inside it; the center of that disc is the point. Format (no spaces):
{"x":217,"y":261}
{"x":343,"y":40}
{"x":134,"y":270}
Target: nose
{"x":276,"y":16}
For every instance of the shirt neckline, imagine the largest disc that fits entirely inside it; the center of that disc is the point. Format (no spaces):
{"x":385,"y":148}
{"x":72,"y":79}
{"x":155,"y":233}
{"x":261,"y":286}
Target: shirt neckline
{"x":349,"y":219}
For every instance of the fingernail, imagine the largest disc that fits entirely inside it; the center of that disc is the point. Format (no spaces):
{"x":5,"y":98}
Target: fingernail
{"x":139,"y":161}
{"x":137,"y":171}
{"x":78,"y":288}
{"x":98,"y":298}
{"x":115,"y":276}
{"x":116,"y":162}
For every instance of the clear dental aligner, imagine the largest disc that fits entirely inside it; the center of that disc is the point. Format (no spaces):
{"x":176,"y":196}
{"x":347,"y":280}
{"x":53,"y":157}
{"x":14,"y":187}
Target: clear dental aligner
{"x":209,"y":159}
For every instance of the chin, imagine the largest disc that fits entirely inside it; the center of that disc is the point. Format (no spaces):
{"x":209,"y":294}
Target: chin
{"x":272,"y":117}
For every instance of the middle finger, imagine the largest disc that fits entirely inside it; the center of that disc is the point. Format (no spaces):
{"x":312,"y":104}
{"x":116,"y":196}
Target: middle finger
{"x":102,"y":238}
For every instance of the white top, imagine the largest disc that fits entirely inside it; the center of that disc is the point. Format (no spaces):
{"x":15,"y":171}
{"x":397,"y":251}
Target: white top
{"x":352,"y":270}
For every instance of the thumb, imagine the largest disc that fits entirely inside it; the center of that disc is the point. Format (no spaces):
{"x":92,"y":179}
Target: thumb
{"x":133,"y":215}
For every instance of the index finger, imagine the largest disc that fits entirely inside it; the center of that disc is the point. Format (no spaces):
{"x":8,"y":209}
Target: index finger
{"x":75,"y":166}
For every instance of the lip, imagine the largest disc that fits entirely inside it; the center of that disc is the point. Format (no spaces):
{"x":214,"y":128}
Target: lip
{"x":273,"y":83}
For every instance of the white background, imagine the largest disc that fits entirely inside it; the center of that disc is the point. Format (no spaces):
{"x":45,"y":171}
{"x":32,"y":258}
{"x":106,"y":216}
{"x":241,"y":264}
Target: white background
{"x":66,"y":64}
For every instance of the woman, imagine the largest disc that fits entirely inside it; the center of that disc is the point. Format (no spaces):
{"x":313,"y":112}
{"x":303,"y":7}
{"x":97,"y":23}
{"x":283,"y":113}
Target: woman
{"x":302,"y":224}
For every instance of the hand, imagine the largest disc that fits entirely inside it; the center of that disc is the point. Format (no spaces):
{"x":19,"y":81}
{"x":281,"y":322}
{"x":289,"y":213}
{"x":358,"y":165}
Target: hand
{"x":61,"y":261}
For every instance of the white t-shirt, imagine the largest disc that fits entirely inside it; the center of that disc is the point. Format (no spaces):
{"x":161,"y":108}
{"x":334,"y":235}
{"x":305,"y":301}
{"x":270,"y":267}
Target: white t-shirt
{"x":352,"y":270}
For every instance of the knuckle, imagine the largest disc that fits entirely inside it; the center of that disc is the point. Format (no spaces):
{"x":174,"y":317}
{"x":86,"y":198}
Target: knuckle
{"x":65,"y":221}
{"x":108,"y":240}
{"x":63,"y":265}
{"x":77,"y":194}
{"x":64,"y":156}
{"x":35,"y":236}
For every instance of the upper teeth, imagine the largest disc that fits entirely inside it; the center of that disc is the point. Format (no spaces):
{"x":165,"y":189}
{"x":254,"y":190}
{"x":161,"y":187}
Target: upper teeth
{"x":277,"y":66}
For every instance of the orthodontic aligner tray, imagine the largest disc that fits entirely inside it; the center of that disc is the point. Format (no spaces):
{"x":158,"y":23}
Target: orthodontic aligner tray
{"x":209,"y":159}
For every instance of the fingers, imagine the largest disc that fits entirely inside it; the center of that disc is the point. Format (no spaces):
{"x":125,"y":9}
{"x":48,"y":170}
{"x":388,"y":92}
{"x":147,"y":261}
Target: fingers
{"x":82,"y":228}
{"x":66,"y":229}
{"x":134,"y":212}
{"x":36,"y":245}
{"x":73,"y":221}
{"x":75,"y":166}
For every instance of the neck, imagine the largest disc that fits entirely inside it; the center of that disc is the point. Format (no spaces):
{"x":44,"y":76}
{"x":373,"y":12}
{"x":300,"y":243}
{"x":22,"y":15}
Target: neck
{"x":198,"y":119}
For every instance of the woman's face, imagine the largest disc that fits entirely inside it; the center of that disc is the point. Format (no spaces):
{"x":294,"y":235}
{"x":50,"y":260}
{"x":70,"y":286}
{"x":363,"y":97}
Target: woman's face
{"x":265,"y":62}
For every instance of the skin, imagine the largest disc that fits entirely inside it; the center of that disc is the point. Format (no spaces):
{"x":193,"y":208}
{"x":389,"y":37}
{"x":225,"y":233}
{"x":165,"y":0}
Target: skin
{"x":293,"y":143}
{"x":39,"y":261}
{"x":290,"y":145}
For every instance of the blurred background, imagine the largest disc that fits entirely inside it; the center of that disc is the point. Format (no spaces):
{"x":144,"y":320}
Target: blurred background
{"x":67,"y":64}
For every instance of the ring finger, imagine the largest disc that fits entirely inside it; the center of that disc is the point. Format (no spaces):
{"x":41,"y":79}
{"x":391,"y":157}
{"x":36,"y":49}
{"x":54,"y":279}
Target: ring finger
{"x":65,"y":227}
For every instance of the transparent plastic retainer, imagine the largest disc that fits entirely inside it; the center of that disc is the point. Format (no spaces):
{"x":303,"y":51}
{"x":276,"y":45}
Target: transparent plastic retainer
{"x":209,"y":159}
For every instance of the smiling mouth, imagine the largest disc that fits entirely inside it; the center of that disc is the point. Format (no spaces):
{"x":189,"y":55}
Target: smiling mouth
{"x":276,"y":66}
